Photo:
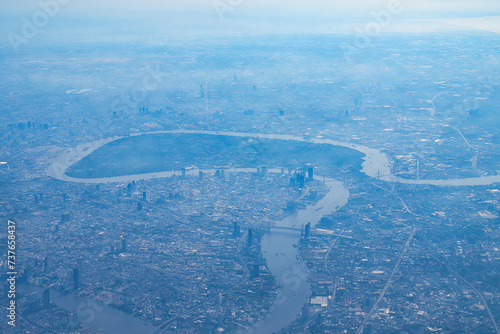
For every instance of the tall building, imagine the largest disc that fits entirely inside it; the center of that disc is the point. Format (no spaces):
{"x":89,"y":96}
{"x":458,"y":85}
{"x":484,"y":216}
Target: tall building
{"x":310,"y":175}
{"x":255,"y":271}
{"x":307,"y":230}
{"x":46,"y":298}
{"x":236,"y":229}
{"x":250,"y":237}
{"x":76,"y":279}
{"x":300,"y":179}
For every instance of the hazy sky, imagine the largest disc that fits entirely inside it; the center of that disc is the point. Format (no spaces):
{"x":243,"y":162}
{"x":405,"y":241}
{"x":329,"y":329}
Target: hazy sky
{"x":89,"y":20}
{"x":358,"y":8}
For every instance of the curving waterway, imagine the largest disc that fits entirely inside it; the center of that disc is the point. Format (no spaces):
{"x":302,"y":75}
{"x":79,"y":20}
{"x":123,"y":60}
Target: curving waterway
{"x":278,"y":245}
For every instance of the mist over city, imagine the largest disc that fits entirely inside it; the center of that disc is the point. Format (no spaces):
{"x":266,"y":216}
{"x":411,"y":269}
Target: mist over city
{"x":250,"y":167}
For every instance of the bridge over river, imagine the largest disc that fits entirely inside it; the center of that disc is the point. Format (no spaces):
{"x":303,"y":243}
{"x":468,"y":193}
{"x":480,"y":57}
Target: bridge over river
{"x":278,"y":248}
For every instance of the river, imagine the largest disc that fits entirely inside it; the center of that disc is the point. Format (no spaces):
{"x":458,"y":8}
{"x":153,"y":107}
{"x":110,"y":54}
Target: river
{"x":284,"y":262}
{"x":278,"y":245}
{"x":94,"y":314}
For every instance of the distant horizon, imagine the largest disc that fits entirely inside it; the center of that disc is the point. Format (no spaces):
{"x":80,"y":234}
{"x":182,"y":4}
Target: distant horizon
{"x":448,"y":7}
{"x":93,"y":20}
{"x":64,"y":22}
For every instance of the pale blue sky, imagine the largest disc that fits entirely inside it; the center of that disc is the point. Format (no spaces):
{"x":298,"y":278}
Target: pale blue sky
{"x":156,"y":19}
{"x":357,"y":8}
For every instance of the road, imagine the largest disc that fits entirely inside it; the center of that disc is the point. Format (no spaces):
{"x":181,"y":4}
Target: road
{"x":433,"y":110}
{"x":388,"y":283}
{"x":492,"y":318}
{"x":328,"y":252}
{"x":393,"y":193}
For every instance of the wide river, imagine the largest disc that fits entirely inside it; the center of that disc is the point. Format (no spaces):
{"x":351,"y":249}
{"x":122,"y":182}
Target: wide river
{"x":93,"y":314}
{"x":278,"y":245}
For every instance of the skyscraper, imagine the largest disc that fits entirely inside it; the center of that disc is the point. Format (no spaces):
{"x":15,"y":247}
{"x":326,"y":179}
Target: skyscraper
{"x":250,"y":237}
{"x":300,"y":179}
{"x":310,"y":173}
{"x":255,"y":271}
{"x":236,"y":230}
{"x":46,"y":298}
